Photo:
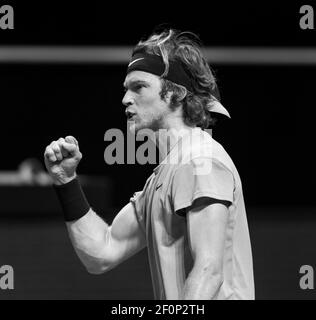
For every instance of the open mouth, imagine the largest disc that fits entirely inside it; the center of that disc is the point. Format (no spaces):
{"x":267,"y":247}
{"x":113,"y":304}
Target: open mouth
{"x":129,"y":115}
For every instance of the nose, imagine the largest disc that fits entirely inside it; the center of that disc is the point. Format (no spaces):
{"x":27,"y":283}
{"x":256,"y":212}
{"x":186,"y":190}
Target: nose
{"x":127,"y":99}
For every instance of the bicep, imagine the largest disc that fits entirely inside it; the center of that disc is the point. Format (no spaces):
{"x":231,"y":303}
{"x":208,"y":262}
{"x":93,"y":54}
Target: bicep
{"x":207,"y":224}
{"x":100,"y":246}
{"x":126,"y":236}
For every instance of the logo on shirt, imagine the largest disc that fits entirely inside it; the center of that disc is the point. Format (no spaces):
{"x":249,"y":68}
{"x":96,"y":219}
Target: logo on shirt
{"x":158,"y":186}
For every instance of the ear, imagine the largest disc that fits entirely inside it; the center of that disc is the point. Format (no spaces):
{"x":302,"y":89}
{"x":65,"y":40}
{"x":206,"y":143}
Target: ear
{"x":183,"y":93}
{"x":168,"y":96}
{"x":180,"y":95}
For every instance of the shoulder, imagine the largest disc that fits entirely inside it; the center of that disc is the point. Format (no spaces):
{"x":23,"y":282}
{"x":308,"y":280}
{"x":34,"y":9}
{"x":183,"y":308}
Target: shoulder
{"x":201,"y":145}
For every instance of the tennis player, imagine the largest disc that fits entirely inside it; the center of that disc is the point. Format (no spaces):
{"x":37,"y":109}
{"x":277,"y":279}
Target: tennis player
{"x":190,"y":214}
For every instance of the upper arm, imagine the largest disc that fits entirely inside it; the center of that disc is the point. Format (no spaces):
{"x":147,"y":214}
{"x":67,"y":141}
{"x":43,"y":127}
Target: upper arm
{"x":100,"y":246}
{"x":127,"y":232}
{"x":125,"y":237}
{"x":207,"y":224}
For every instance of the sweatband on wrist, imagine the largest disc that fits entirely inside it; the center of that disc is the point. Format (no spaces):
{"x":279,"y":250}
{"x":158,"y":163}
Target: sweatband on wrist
{"x":72,"y":199}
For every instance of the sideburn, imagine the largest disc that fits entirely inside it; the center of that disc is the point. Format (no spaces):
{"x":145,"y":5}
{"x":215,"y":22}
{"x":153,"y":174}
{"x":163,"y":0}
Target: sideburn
{"x":177,"y":98}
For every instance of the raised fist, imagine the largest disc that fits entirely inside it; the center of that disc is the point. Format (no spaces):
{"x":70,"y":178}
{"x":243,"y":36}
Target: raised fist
{"x":62,"y":158}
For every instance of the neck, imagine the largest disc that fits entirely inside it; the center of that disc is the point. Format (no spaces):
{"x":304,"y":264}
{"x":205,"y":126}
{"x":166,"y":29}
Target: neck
{"x":168,"y":136}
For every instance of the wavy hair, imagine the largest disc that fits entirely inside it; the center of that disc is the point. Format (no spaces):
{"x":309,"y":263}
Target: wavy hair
{"x":185,"y":47}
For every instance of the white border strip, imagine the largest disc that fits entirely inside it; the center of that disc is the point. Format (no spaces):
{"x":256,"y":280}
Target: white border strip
{"x":121,"y":55}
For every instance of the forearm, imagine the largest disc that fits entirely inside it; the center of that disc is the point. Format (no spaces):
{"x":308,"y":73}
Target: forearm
{"x":90,"y":236}
{"x":202,"y":283}
{"x":99,"y":246}
{"x":88,"y":232}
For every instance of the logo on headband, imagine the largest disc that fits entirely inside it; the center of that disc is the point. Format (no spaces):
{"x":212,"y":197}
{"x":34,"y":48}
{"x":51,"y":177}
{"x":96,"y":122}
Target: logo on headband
{"x":154,"y":64}
{"x":132,"y":62}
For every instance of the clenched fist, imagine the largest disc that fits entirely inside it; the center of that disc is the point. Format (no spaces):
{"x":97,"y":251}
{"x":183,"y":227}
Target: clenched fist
{"x":61,"y":159}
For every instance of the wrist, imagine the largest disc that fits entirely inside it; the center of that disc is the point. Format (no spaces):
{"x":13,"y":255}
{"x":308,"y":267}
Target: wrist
{"x":63,"y":180}
{"x":72,"y":199}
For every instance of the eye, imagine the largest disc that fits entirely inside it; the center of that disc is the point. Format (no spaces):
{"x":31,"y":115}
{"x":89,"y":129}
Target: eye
{"x":137,"y":87}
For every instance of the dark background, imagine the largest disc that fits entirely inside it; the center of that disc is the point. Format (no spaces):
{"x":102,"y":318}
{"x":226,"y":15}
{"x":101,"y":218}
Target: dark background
{"x":262,"y":23}
{"x":270,"y":136}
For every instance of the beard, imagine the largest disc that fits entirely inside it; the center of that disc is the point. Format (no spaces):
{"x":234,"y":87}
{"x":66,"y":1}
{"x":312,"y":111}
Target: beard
{"x":152,"y":123}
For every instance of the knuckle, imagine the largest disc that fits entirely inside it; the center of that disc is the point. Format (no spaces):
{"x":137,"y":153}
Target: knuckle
{"x":56,"y":148}
{"x":53,"y":145}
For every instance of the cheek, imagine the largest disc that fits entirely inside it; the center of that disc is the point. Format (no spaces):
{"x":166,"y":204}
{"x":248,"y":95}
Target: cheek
{"x":150,"y":105}
{"x":147,"y":102}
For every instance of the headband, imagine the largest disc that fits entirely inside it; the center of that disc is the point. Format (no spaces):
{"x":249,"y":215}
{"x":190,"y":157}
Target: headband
{"x":152,"y":63}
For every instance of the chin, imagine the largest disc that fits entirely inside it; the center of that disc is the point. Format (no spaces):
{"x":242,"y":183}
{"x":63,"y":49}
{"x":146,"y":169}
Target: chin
{"x":134,"y":127}
{"x":131,"y":127}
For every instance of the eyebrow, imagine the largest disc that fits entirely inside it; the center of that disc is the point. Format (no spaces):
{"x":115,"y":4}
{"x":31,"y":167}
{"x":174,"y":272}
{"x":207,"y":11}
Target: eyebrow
{"x":135,"y":82}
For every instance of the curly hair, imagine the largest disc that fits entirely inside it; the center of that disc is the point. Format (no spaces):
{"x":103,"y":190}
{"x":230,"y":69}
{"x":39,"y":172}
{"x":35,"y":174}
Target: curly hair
{"x":185,"y":47}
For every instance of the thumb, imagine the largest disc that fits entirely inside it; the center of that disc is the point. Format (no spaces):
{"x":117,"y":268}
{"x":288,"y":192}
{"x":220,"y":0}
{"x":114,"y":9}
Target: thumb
{"x":73,"y":140}
{"x":70,"y":147}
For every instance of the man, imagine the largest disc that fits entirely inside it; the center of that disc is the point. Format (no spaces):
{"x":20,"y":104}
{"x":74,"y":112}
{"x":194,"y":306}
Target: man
{"x":191,"y":213}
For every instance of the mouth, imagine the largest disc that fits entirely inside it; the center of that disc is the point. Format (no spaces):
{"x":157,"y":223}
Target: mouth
{"x":130,"y":116}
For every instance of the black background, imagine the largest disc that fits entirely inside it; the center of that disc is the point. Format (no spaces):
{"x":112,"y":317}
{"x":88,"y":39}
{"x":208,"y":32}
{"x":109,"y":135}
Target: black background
{"x":261,"y":23}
